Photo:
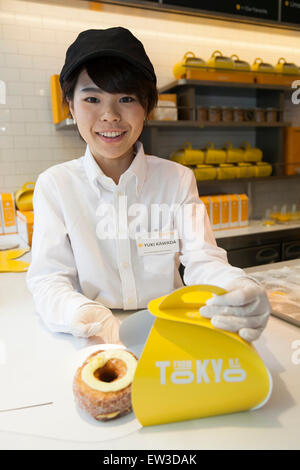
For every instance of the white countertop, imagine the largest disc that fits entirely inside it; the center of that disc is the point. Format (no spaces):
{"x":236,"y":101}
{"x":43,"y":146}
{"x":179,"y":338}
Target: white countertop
{"x":255,"y":226}
{"x":26,"y":345}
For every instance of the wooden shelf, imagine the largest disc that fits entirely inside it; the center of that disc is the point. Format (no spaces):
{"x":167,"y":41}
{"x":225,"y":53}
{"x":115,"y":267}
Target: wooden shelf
{"x":249,"y":180}
{"x":199,"y":124}
{"x":183,"y":82}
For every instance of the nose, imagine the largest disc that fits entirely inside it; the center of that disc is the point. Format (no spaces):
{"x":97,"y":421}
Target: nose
{"x":110,"y":114}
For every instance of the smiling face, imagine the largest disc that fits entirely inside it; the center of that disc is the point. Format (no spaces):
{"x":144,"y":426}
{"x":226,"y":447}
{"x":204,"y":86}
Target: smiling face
{"x":110,"y":123}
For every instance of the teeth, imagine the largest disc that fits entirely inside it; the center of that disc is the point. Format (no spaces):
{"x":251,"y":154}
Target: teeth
{"x":110,"y":134}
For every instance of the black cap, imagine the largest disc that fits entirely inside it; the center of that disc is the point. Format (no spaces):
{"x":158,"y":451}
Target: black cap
{"x":117,"y":42}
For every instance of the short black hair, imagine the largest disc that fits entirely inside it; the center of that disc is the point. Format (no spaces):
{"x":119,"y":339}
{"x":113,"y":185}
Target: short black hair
{"x":115,"y":75}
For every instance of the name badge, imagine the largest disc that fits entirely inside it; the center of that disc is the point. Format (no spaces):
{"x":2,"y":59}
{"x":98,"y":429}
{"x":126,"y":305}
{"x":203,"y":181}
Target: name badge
{"x":157,"y":242}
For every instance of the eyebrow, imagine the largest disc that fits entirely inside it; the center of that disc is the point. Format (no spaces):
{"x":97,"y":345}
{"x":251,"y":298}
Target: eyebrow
{"x":91,"y":89}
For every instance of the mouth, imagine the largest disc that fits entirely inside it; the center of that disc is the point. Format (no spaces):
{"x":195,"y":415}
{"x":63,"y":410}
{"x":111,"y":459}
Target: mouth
{"x":114,"y":136}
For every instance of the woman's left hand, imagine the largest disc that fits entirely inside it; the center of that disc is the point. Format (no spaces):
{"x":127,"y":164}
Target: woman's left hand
{"x":245,"y":309}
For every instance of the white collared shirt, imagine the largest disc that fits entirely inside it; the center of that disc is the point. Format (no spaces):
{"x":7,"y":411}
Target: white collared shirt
{"x":75,"y":203}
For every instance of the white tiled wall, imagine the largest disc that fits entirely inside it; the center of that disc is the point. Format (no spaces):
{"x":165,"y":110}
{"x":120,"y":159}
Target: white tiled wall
{"x":34,"y":36}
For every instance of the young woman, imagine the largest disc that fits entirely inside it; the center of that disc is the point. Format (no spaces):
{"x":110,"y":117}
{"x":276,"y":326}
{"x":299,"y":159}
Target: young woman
{"x":112,"y":227}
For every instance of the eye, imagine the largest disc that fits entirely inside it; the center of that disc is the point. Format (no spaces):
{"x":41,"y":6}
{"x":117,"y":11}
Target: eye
{"x":91,"y":99}
{"x":127,"y":99}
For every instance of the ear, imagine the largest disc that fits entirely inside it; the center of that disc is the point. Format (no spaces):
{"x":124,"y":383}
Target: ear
{"x":71,"y":108}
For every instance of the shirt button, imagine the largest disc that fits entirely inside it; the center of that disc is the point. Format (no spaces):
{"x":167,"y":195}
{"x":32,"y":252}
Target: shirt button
{"x":125,"y":265}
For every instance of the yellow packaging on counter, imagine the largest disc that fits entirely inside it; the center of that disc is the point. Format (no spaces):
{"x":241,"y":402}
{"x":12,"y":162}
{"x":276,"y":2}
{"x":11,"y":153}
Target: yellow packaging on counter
{"x":243,"y":210}
{"x":189,"y":369}
{"x":224,"y":209}
{"x":205,"y":172}
{"x":215,"y":212}
{"x":7,"y":207}
{"x":25,"y":225}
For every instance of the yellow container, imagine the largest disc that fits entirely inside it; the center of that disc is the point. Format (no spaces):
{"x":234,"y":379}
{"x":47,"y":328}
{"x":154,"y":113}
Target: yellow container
{"x":260,"y":66}
{"x":214,"y":156}
{"x":187,"y":155}
{"x":59,"y":111}
{"x":263,"y":169}
{"x":283,"y":66}
{"x":23,"y":197}
{"x":251,"y":154}
{"x":218,"y":61}
{"x":245,"y":170}
{"x":233,"y":155}
{"x":240,"y":64}
{"x":205,"y":172}
{"x":188,"y":369}
{"x":226,"y":171}
{"x":189,"y":61}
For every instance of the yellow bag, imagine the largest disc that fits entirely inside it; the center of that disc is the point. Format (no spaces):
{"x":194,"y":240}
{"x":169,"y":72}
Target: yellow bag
{"x":23,"y":197}
{"x":233,"y":155}
{"x":214,"y":156}
{"x":189,"y":60}
{"x":240,"y":64}
{"x":187,"y":155}
{"x":283,"y":66}
{"x":260,"y":66}
{"x":251,"y":154}
{"x":188,"y":369}
{"x":218,"y":61}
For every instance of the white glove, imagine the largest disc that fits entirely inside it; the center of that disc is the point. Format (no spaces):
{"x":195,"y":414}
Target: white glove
{"x":91,"y":319}
{"x":245,"y":309}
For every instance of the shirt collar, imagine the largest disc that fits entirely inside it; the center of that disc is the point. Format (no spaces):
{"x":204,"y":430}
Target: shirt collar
{"x":97,"y":178}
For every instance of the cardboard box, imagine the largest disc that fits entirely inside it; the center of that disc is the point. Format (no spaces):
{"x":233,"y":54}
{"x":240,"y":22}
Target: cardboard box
{"x":25,"y":225}
{"x":233,"y":210}
{"x":206,"y":202}
{"x":7,"y":207}
{"x":243,"y":210}
{"x":224,"y":207}
{"x":215,"y":211}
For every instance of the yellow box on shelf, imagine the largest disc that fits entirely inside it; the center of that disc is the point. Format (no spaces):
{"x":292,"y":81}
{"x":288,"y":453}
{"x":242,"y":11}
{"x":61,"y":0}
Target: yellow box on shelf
{"x":226,"y":171}
{"x":205,"y":172}
{"x":166,"y":108}
{"x":245,"y":170}
{"x":262,"y":169}
{"x":60,"y":111}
